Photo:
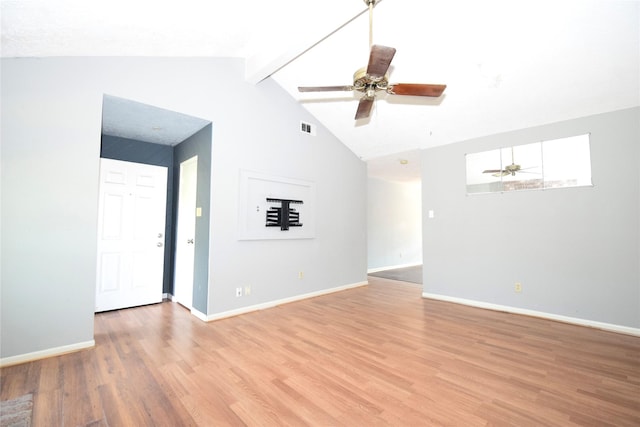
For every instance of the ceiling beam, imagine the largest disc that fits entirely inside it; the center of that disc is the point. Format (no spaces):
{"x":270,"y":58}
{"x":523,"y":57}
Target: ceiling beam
{"x":306,"y":34}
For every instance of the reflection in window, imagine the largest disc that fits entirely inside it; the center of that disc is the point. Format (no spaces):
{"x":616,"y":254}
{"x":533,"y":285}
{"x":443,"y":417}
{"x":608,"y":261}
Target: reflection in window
{"x":556,"y":163}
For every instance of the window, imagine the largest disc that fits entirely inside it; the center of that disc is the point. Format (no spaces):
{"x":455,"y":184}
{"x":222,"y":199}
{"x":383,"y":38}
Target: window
{"x":557,"y":163}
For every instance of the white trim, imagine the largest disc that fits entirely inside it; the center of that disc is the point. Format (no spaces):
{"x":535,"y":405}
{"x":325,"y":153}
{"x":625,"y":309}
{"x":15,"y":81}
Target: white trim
{"x":42,"y":354}
{"x":557,"y":317}
{"x":200,"y":315}
{"x":271,"y":304}
{"x":391,"y":267}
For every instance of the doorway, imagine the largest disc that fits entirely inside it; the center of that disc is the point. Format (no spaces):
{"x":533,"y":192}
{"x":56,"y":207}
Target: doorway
{"x":136,"y":132}
{"x":186,"y":232}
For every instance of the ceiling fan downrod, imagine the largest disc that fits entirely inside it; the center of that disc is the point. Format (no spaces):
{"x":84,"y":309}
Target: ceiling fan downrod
{"x":371,"y":4}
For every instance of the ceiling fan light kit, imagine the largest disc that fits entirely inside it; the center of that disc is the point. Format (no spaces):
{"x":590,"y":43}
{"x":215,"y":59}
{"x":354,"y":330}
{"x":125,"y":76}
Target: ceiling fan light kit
{"x":374,"y":77}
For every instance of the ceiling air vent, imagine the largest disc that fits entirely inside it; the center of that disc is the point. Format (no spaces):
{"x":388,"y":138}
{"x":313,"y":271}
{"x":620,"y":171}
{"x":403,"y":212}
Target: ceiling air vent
{"x":307,"y":128}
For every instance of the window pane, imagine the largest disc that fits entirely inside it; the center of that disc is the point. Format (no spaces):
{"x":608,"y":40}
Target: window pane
{"x":564,"y":162}
{"x":567,"y":162}
{"x":483,"y":172}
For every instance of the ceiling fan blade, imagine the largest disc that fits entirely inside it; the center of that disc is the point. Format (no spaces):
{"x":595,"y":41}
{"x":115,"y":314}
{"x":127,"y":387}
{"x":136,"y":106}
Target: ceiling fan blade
{"x":364,"y":107}
{"x":324,"y":88}
{"x":416,"y":89}
{"x":528,"y":167}
{"x":380,"y":60}
{"x":498,"y":172}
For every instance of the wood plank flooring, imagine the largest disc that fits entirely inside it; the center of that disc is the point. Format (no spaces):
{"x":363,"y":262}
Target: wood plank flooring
{"x":372,"y":356}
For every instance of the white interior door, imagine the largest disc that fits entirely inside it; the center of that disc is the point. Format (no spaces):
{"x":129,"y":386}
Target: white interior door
{"x":131,"y":226}
{"x":185,"y":233}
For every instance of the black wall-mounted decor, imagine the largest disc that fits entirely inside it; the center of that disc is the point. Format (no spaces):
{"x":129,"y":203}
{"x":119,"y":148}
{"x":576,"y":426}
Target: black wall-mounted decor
{"x":278,"y":201}
{"x":284,"y":216}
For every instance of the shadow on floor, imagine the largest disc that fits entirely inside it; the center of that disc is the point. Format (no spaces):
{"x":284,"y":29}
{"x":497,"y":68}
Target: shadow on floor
{"x":405,"y":274}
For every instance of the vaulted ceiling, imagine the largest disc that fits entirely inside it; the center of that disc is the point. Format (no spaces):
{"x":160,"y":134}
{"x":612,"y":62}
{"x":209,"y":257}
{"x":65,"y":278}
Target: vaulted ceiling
{"x":507,"y":64}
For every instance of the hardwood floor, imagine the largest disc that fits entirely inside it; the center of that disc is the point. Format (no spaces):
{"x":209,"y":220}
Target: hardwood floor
{"x":375,"y":355}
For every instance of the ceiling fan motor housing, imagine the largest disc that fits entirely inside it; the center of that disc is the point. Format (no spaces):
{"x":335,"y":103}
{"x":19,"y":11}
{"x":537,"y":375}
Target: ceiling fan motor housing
{"x":363,"y":82}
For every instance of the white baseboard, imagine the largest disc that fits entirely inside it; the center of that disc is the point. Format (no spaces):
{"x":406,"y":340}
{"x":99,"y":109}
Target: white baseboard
{"x":50,"y":352}
{"x":271,"y":304}
{"x":195,"y":312}
{"x":200,"y":315}
{"x":515,"y":310}
{"x":391,"y":267}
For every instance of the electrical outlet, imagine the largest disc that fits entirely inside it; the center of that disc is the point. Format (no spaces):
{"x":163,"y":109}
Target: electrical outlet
{"x":518,"y":287}
{"x":301,"y":275}
{"x":247,"y":290}
{"x":238,"y":292}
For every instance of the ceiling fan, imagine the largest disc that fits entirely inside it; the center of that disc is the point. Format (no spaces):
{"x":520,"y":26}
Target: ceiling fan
{"x":509,"y":169}
{"x":374,"y":77}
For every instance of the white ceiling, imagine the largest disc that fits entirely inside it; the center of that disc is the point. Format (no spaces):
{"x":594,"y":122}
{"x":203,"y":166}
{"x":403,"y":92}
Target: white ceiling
{"x":507,"y":64}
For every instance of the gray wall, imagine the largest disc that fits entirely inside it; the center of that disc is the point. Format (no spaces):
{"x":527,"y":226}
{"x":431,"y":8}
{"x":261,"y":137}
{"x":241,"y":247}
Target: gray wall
{"x":268,"y":141}
{"x":51,"y":122}
{"x":575,"y":250}
{"x":394,"y":224}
